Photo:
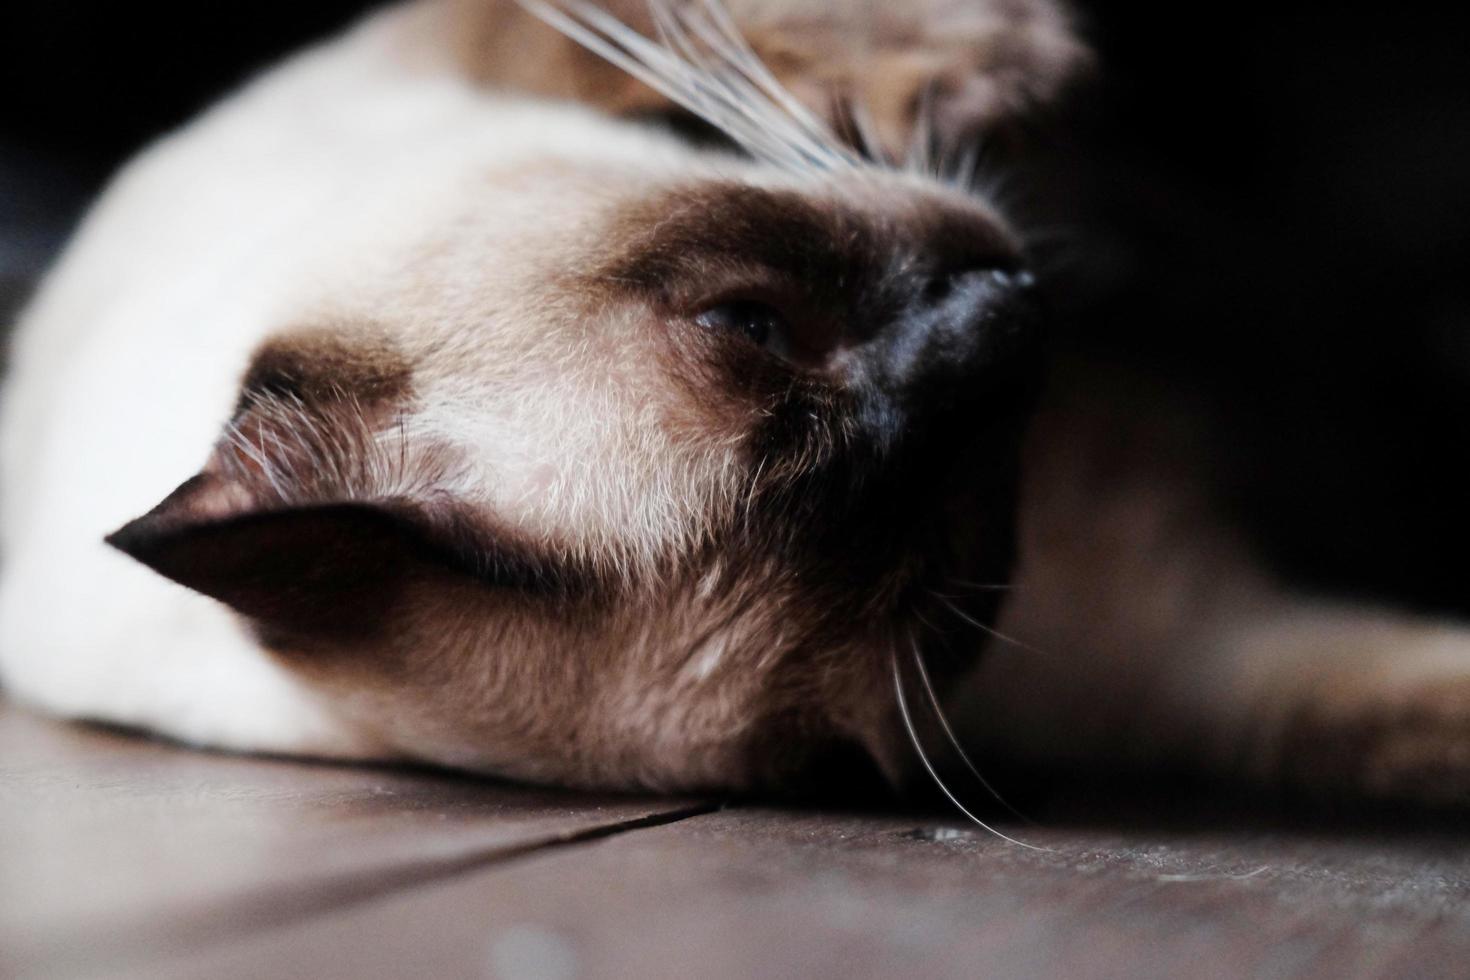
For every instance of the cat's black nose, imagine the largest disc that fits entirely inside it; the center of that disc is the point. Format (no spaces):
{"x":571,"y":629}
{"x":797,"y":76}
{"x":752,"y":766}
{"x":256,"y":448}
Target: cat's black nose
{"x":961,"y":338}
{"x":964,"y":322}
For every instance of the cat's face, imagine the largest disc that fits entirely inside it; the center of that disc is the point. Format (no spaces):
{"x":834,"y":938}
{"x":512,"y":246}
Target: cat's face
{"x":628,"y":475}
{"x":643,"y":492}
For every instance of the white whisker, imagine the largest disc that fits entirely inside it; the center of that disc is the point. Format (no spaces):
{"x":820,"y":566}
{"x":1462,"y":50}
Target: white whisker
{"x":982,"y":586}
{"x":920,"y":157}
{"x":866,"y":131}
{"x":949,"y":732}
{"x":987,"y":629}
{"x":962,"y":168}
{"x":701,"y":62}
{"x":908,"y":724}
{"x":739,"y":53}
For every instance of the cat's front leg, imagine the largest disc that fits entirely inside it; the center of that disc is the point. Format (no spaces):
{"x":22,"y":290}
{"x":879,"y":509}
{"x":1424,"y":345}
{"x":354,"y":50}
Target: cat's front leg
{"x":1362,"y":701}
{"x":937,"y":72}
{"x":1281,"y":691}
{"x":1152,"y":637}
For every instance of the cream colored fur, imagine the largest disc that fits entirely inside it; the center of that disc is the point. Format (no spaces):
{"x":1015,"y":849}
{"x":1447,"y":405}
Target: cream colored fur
{"x":293,"y":199}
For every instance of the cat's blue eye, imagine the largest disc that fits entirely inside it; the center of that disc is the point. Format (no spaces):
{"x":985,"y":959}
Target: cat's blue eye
{"x":762,"y":323}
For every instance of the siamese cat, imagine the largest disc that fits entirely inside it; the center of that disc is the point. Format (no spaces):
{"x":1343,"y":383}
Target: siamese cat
{"x":432,"y":399}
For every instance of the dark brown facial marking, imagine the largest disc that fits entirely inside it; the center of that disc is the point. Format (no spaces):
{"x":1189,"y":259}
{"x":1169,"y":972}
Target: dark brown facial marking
{"x":317,"y":364}
{"x":895,"y":310}
{"x":677,"y":238}
{"x":835,"y":272}
{"x":912,"y":311}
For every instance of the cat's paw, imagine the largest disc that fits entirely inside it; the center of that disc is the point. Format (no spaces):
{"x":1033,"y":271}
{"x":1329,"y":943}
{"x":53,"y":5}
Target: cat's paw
{"x":1400,"y":732}
{"x":955,"y":67}
{"x":874,"y":70}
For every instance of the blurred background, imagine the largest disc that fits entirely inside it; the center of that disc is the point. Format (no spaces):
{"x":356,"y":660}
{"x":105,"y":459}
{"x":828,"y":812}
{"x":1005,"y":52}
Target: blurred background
{"x":1270,"y":206}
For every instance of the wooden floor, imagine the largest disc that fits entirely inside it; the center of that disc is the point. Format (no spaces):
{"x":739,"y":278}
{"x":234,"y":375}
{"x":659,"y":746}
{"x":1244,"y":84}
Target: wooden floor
{"x":123,"y":857}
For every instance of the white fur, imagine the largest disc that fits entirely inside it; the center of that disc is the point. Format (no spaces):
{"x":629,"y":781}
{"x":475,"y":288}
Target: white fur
{"x":278,"y":202}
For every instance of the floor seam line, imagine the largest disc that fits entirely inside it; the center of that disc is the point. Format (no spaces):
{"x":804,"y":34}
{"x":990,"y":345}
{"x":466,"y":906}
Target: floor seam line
{"x":355,"y":891}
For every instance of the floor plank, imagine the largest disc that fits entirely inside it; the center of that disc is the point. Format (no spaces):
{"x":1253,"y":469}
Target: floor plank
{"x":116,"y":850}
{"x":770,"y":893}
{"x":120,"y":857}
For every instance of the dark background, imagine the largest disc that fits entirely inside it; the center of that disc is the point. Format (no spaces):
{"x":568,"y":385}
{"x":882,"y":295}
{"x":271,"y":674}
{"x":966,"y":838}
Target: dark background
{"x":1277,"y":213}
{"x":1271,"y":207}
{"x":84,"y":83}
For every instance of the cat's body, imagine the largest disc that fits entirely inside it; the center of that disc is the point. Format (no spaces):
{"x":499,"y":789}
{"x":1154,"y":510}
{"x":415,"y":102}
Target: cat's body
{"x":455,"y":524}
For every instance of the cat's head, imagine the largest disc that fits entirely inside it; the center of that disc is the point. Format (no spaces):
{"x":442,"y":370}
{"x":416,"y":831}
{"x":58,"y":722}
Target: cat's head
{"x":636,"y":470}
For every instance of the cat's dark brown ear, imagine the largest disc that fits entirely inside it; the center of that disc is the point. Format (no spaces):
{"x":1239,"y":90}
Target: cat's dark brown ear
{"x":335,"y":568}
{"x":317,"y":515}
{"x":274,"y":525}
{"x":329,"y":570}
